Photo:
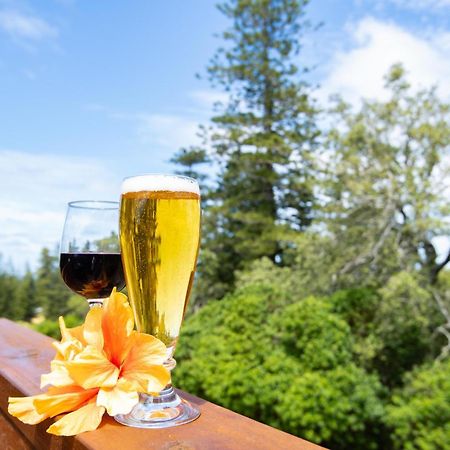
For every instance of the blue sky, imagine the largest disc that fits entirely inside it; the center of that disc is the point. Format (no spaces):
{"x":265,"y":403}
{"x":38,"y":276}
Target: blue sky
{"x":93,"y":91}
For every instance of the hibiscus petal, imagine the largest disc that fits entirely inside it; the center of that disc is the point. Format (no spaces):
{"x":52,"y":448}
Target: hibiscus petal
{"x":65,"y":335}
{"x":77,"y":333}
{"x":146,"y":347}
{"x":59,"y":375}
{"x":66,"y":350}
{"x":60,"y":400}
{"x":92,"y":331}
{"x":143,"y":364}
{"x":23,"y":408}
{"x":87,"y":418}
{"x":120,"y":399}
{"x":90,"y":369}
{"x":117,"y":327}
{"x":149,"y":380}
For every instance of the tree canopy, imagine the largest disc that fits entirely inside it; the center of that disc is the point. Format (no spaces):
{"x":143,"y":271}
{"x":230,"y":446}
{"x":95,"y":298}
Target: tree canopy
{"x":262,"y":139}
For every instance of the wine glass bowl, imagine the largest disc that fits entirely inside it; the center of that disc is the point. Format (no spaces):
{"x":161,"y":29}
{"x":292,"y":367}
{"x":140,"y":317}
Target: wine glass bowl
{"x":90,"y":260}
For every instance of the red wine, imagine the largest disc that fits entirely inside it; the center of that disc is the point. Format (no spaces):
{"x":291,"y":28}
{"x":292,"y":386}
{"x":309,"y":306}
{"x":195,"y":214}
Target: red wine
{"x":92,"y":275}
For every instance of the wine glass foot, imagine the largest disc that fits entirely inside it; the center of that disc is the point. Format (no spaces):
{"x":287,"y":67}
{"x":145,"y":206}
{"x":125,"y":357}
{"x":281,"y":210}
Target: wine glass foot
{"x":162,"y":411}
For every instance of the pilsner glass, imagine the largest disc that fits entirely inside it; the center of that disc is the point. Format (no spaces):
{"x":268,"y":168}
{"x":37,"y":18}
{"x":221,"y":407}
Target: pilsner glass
{"x":159,"y":238}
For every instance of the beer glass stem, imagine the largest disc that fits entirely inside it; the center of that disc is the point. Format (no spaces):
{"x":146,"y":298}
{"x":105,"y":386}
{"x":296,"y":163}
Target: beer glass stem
{"x":167,"y":409}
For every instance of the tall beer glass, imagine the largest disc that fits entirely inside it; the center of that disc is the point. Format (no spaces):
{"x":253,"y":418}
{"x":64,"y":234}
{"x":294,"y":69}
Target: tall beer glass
{"x":159,"y":238}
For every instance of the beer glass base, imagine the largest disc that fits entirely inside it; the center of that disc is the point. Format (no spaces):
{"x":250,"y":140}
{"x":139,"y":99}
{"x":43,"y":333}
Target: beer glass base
{"x":162,"y":411}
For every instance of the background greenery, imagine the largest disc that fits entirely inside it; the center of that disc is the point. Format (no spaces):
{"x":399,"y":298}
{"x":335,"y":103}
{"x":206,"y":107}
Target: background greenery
{"x":320,"y":305}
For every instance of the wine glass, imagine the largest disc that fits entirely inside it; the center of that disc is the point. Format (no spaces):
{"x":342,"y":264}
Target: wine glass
{"x":90,"y":260}
{"x":159,"y":239}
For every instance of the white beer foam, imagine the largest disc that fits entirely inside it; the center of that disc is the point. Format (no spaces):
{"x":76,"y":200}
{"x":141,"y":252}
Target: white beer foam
{"x":171,"y":183}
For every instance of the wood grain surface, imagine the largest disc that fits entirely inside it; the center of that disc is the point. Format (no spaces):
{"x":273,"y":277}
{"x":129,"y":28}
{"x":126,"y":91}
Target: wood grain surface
{"x":25,"y":355}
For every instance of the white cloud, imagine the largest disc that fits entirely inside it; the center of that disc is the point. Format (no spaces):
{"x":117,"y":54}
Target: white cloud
{"x":358,"y":72}
{"x":25,"y":26}
{"x":34,"y":192}
{"x":206,"y":98}
{"x":168,"y":131}
{"x":165,"y":132}
{"x":174,"y":131}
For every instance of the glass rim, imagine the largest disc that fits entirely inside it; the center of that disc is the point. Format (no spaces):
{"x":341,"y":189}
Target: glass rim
{"x":161,"y":174}
{"x":94,"y":204}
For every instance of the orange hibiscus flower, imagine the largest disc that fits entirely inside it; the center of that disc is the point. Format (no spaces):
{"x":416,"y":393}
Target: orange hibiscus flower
{"x":100,"y":366}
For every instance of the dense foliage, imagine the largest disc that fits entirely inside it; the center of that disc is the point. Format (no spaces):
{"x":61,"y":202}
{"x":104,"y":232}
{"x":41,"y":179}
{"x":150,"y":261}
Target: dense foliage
{"x":324,"y":319}
{"x":419,"y":415}
{"x":320,"y":306}
{"x":288,"y":363}
{"x":318,"y":367}
{"x":38,"y":299}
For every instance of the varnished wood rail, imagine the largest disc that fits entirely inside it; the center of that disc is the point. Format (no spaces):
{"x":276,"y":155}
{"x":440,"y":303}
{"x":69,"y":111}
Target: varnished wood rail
{"x":25,"y":355}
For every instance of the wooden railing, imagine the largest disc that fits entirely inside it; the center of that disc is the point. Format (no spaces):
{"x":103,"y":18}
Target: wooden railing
{"x":25,"y":355}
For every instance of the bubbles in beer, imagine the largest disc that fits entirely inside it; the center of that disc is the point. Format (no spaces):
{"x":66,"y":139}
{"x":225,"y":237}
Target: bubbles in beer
{"x":159,"y":236}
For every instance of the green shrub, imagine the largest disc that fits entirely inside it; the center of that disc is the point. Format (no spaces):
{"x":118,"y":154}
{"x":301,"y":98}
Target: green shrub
{"x":283,"y":362}
{"x":420,"y":412}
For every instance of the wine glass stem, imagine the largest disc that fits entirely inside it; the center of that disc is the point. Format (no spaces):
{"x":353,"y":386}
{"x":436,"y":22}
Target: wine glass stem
{"x":95,"y":303}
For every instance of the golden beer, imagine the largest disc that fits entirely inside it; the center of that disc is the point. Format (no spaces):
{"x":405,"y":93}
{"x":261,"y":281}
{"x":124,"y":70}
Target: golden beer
{"x":159,"y":237}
